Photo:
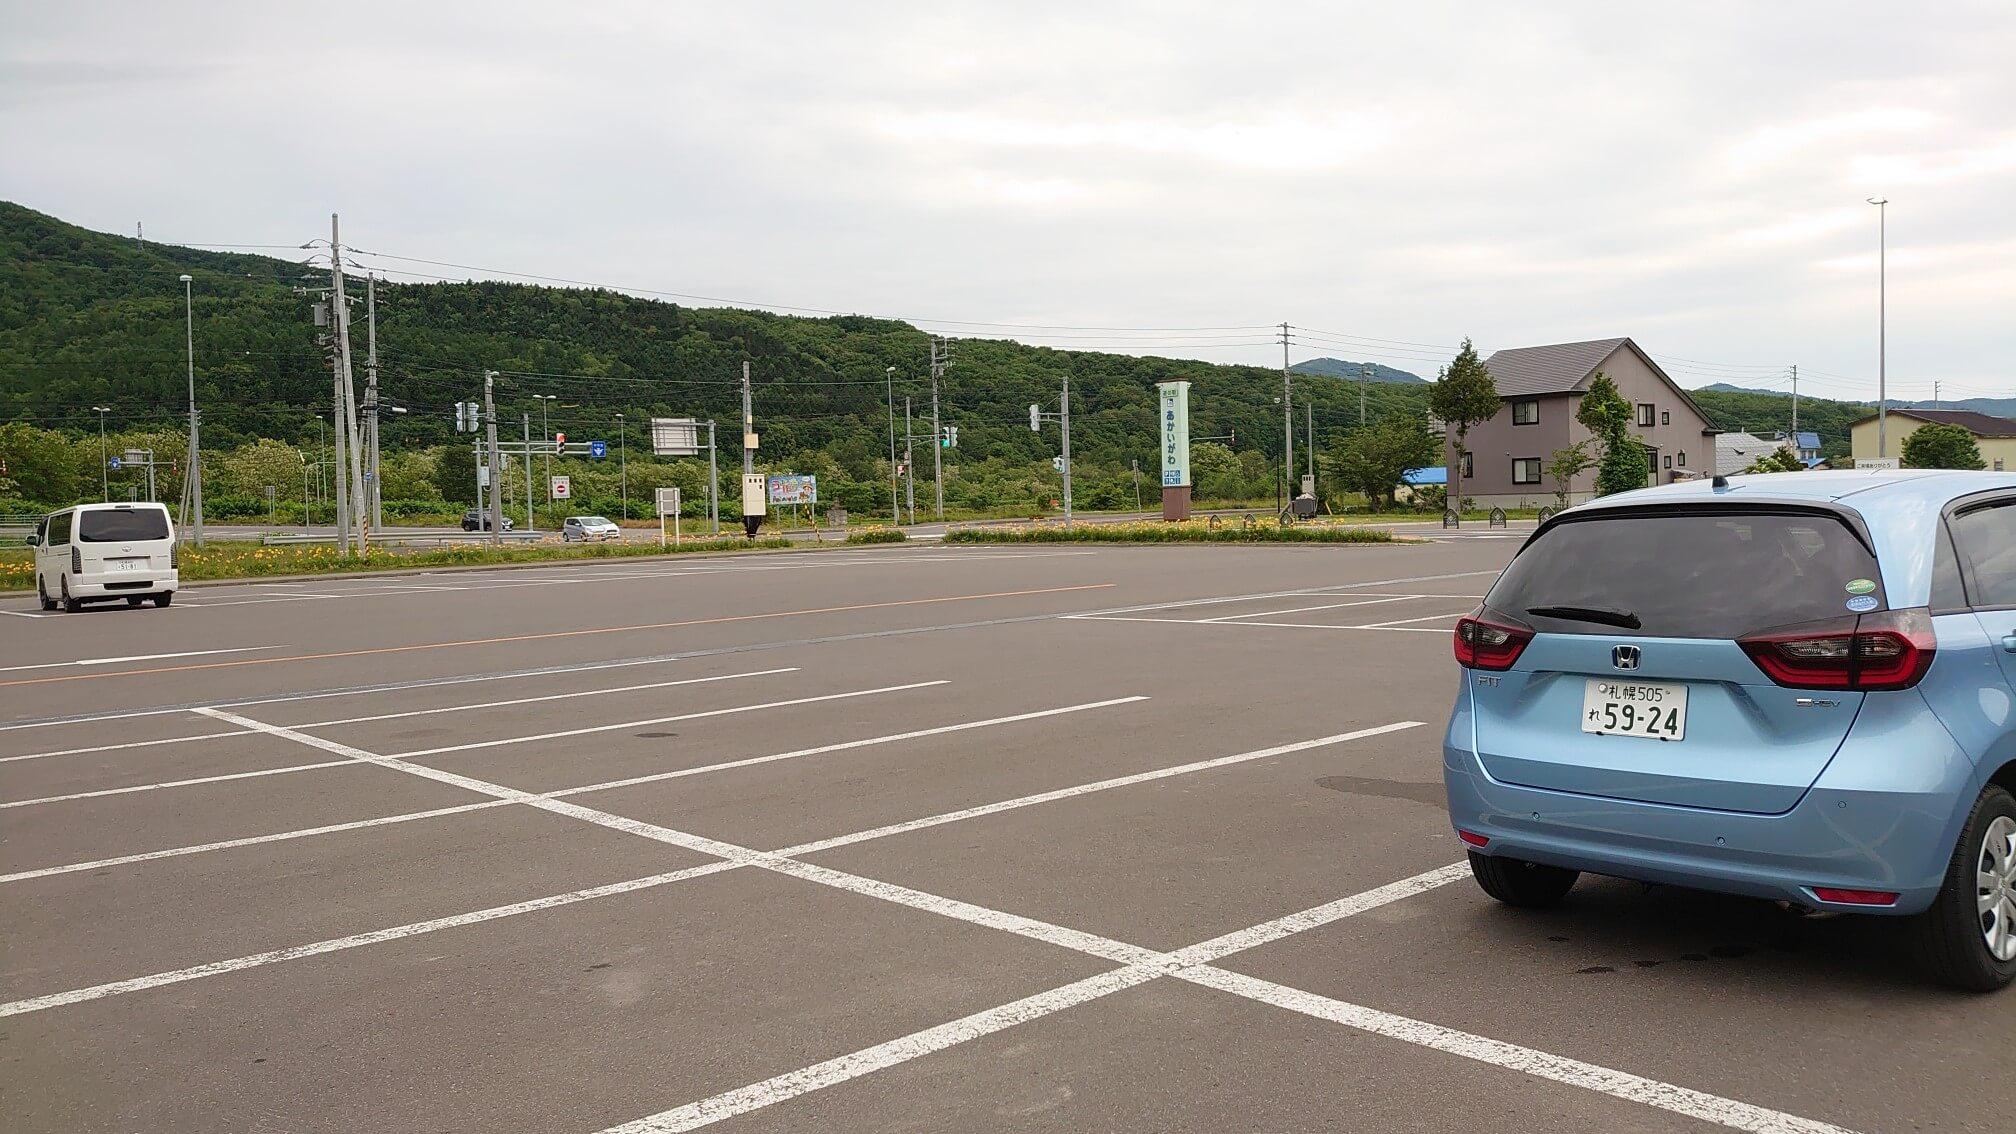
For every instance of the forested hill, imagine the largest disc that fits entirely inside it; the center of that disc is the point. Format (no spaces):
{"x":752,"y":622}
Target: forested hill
{"x":89,"y":318}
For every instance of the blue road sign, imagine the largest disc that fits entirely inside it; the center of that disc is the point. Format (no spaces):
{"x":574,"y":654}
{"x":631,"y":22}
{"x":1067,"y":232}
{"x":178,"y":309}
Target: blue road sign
{"x":114,"y":462}
{"x":598,"y":449}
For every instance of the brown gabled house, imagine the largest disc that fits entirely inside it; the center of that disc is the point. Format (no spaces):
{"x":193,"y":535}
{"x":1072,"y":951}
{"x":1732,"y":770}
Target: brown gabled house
{"x":1540,"y":388}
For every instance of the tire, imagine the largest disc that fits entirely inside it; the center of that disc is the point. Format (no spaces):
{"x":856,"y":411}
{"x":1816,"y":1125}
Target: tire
{"x":70,"y":605}
{"x":164,"y":598}
{"x":42,"y":595}
{"x":1516,"y":882}
{"x":135,"y":600}
{"x":1954,"y":935}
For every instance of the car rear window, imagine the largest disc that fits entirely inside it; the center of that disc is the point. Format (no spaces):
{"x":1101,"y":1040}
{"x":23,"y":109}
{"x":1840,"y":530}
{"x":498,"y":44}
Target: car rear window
{"x":1695,"y":575}
{"x":121,"y":525}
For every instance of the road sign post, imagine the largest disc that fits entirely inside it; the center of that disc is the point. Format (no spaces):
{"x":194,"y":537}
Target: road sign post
{"x":668,"y":505}
{"x":563,"y":488}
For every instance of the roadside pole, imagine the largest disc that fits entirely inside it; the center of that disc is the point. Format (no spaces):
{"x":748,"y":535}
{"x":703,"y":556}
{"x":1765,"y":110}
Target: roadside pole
{"x":713,"y":484}
{"x":495,"y":500}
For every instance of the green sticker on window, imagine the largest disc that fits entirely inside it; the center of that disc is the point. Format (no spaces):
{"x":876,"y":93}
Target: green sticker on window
{"x":1861,"y":586}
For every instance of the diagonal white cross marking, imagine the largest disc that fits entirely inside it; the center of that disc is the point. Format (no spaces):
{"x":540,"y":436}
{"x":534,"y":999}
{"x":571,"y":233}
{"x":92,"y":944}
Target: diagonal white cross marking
{"x":1138,"y":965}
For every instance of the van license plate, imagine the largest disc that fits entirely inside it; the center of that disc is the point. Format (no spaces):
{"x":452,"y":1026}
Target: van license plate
{"x":1652,"y":709}
{"x":129,"y":564}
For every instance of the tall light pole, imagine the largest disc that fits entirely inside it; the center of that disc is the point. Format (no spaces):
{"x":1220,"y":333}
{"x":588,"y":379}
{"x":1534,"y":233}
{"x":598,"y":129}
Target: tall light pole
{"x":889,"y":381}
{"x":1882,"y":323}
{"x":104,"y":468}
{"x":623,"y":463}
{"x":195,"y":475}
{"x":546,"y":426}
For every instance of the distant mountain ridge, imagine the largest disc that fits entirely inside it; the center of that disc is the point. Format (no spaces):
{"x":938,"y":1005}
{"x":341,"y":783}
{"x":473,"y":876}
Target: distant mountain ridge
{"x":1993,"y":407}
{"x":1343,"y":368}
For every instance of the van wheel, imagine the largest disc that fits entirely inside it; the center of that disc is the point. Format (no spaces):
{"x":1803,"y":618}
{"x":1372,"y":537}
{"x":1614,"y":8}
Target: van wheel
{"x":70,"y":605}
{"x":1968,"y":938}
{"x":1515,"y":882}
{"x":135,"y":600}
{"x":42,"y":595}
{"x":162,"y":599}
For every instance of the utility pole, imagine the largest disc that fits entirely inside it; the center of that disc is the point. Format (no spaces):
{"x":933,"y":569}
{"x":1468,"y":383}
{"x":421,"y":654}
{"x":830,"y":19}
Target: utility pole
{"x":748,"y":425}
{"x":1882,"y":323}
{"x":713,"y":483}
{"x":192,"y":483}
{"x":1364,"y":376}
{"x":623,"y":464}
{"x":352,"y":472}
{"x":1935,"y":405}
{"x":941,"y":354}
{"x":526,"y":425}
{"x":909,"y":463}
{"x":1064,"y":419}
{"x":1287,"y":415}
{"x":104,"y":461}
{"x":1795,"y":405}
{"x":895,"y":502}
{"x":1309,"y":424}
{"x":342,"y":483}
{"x":374,"y":486}
{"x":495,"y":501}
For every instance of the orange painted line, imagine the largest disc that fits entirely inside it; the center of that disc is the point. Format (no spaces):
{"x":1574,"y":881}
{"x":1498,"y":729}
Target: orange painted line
{"x":547,"y":636}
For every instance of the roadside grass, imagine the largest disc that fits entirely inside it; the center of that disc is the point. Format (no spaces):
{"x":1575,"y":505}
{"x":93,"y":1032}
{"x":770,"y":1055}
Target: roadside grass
{"x":1188,"y":531}
{"x":233,"y":560}
{"x":876,"y":535}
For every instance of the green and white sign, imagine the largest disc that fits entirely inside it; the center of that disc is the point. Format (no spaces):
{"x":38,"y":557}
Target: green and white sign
{"x":1175,"y":434}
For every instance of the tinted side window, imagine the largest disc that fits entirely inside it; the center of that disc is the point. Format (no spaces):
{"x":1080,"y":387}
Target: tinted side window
{"x":1947,"y":594}
{"x":119,"y":525}
{"x":59,"y":529}
{"x":1986,"y":540}
{"x":1720,"y":574}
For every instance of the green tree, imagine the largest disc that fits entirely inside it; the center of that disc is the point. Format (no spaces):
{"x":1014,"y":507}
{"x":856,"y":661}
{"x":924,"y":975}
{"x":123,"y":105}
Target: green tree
{"x":455,"y":473}
{"x":1463,"y":395}
{"x":42,"y":466}
{"x":1371,"y":459}
{"x":249,"y":469}
{"x":1605,"y":413}
{"x":1781,"y":459}
{"x":1942,"y":447}
{"x":1564,"y":465}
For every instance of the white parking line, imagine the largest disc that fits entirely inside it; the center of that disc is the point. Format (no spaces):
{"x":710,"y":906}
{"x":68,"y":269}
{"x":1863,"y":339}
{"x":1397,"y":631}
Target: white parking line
{"x":607,"y":785}
{"x":398,"y":716}
{"x":387,"y":760}
{"x":134,"y":658}
{"x":1301,"y":609}
{"x":1404,"y":621}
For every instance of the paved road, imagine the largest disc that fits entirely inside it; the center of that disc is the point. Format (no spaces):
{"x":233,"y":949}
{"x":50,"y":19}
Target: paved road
{"x":913,"y":838}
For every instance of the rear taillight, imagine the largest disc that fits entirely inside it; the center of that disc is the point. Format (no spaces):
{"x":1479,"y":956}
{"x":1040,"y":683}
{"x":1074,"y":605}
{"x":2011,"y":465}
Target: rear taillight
{"x":1890,"y":649}
{"x":1489,"y":641}
{"x":76,"y":561}
{"x":174,"y":556}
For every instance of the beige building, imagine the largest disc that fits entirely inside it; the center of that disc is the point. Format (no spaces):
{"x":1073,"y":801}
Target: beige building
{"x":1996,"y":436}
{"x":1541,"y":387}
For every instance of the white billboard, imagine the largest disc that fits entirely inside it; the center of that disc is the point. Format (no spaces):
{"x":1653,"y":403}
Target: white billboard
{"x":1175,"y":417}
{"x":675,"y":436}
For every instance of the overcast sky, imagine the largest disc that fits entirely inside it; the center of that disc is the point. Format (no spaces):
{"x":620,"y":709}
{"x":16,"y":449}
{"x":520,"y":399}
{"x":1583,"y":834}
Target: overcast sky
{"x":1692,"y":175}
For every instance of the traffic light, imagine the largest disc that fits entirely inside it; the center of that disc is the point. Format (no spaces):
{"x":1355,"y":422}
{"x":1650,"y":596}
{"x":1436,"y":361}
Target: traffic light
{"x":461,"y":417}
{"x":950,"y":438}
{"x":1035,"y":418}
{"x":559,"y":441}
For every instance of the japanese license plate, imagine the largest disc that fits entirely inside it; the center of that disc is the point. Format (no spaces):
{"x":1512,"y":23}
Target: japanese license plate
{"x":1653,"y":709}
{"x":129,"y":564}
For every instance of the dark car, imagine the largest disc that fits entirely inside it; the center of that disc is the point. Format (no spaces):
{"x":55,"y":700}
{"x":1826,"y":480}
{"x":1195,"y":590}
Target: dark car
{"x":474,"y":520}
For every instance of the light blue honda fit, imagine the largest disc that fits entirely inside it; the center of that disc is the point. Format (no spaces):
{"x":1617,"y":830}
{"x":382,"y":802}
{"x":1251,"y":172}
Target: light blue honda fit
{"x":1798,"y":686}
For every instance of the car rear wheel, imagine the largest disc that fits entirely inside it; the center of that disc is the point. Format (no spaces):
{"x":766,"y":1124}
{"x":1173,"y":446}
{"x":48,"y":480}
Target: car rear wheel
{"x":135,"y":600}
{"x":70,"y":605}
{"x":164,"y":598}
{"x":42,"y":595}
{"x":1519,"y":883}
{"x":1968,"y":938}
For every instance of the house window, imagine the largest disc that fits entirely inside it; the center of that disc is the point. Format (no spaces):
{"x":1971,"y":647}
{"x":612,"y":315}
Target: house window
{"x":1665,"y":418}
{"x":1525,"y":413}
{"x":1669,"y":462}
{"x":1645,"y":412}
{"x":1469,"y":466}
{"x":1682,"y":456}
{"x":1526,"y":470}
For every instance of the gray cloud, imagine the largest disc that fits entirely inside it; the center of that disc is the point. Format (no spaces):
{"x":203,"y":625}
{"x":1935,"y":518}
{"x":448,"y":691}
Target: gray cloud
{"x":1692,"y":175}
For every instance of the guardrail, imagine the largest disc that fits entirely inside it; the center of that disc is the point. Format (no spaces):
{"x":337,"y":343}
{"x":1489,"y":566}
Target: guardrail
{"x":280,"y":539}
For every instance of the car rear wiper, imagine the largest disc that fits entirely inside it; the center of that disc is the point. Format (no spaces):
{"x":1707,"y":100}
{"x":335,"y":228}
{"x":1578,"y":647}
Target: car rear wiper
{"x":1623,"y":618}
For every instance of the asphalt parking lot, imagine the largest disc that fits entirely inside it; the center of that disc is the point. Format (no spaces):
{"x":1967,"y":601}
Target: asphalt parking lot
{"x":914,"y":838}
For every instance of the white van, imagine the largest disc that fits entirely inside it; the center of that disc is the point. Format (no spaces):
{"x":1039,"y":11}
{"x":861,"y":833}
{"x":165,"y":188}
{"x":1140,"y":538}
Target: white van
{"x":95,"y":552}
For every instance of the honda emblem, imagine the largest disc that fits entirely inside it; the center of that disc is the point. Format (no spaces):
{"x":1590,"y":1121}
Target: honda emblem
{"x":1624,"y":657}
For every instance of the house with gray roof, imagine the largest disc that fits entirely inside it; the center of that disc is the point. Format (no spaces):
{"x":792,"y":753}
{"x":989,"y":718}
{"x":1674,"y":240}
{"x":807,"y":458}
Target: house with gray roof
{"x":1540,"y":388}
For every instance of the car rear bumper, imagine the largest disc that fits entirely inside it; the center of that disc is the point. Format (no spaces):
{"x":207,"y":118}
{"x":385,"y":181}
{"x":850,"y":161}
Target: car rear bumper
{"x":1884,"y":816}
{"x":121,"y":584}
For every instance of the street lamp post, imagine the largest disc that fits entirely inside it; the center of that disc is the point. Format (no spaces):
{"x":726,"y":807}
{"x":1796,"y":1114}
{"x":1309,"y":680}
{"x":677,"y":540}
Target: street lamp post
{"x":1882,"y":323}
{"x":889,"y":381}
{"x":104,"y":463}
{"x":195,"y":477}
